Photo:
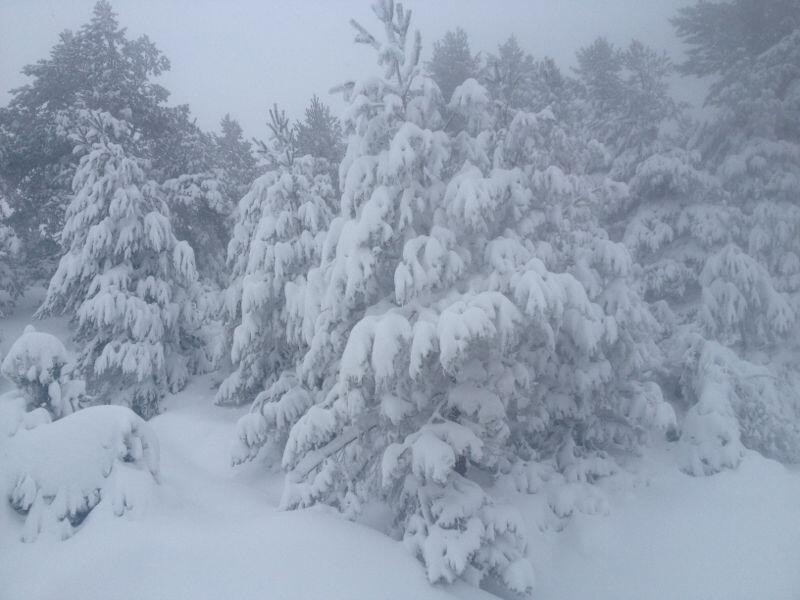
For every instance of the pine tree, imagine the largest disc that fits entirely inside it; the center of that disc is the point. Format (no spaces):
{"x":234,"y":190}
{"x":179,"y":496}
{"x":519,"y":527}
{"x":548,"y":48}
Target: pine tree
{"x":753,"y":144}
{"x":126,"y":278}
{"x":443,"y":352}
{"x":319,"y":135}
{"x":235,"y":158}
{"x":750,"y":282}
{"x":627,"y":92}
{"x":277,"y":237}
{"x":452,"y":62}
{"x":10,"y":254}
{"x":510,"y":75}
{"x":205,"y":176}
{"x":99,"y":68}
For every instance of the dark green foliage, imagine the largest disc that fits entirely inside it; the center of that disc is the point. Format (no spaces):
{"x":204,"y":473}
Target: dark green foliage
{"x":452,"y":62}
{"x":320,"y":135}
{"x":627,"y":96}
{"x":234,"y":158}
{"x":720,"y":34}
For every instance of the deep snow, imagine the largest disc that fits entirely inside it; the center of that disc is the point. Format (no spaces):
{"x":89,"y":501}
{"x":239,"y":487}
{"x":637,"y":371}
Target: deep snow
{"x":213,"y":532}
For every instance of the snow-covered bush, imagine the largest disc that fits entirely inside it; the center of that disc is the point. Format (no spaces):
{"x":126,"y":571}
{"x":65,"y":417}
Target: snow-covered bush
{"x":129,"y":283}
{"x":736,"y":404}
{"x":99,"y":459}
{"x":38,"y":364}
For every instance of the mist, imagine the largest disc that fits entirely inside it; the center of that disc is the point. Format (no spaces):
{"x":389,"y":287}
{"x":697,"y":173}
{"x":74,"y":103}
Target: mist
{"x":371,"y":300}
{"x":241,"y":57}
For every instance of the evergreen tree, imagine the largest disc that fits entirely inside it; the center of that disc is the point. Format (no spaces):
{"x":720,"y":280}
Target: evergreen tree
{"x":627,"y":92}
{"x":10,"y":253}
{"x":444,"y":350}
{"x":715,"y":232}
{"x":234,"y":157}
{"x":277,"y":237}
{"x":126,"y":278}
{"x":99,"y":68}
{"x":452,"y":62}
{"x":510,"y":75}
{"x":319,"y":135}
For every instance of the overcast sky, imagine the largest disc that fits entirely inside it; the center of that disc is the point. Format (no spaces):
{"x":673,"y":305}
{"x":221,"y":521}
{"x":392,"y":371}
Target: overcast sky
{"x":240,"y":56}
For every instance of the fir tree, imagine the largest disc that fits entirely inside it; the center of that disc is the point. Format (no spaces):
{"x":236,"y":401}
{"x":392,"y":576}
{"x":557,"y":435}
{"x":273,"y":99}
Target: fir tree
{"x":443,"y":347}
{"x":10,"y":253}
{"x":319,"y":135}
{"x":99,"y":68}
{"x":509,"y":75}
{"x":234,"y":157}
{"x":452,"y":62}
{"x":731,"y":241}
{"x":629,"y":102}
{"x":126,"y":278}
{"x":277,"y":238}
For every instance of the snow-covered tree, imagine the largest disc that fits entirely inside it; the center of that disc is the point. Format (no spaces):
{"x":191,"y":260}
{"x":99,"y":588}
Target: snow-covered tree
{"x":443,"y":348}
{"x":235,"y":159}
{"x":97,"y":67}
{"x":125,"y":277}
{"x":278,"y":236}
{"x":753,"y":143}
{"x":734,"y":403}
{"x":319,"y":134}
{"x":452,"y":62}
{"x":676,"y":220}
{"x":201,"y":214}
{"x":10,"y":254}
{"x":570,"y":201}
{"x":510,"y":75}
{"x":749,"y":278}
{"x":627,"y":92}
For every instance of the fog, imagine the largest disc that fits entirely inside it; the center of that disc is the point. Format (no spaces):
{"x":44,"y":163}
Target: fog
{"x":510,"y":318}
{"x":241,"y":57}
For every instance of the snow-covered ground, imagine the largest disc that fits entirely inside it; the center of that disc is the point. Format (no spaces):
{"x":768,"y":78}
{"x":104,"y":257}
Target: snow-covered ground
{"x":213,"y":532}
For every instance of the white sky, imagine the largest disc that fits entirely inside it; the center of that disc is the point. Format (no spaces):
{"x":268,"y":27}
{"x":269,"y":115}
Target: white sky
{"x":240,"y":56}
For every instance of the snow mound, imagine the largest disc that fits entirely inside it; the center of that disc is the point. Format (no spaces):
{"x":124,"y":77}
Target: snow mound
{"x":36,"y":363}
{"x":57,"y":473}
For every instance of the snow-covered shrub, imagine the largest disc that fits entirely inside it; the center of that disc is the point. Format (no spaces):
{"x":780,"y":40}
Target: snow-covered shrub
{"x":99,"y":459}
{"x":737,"y":404}
{"x":130,"y":284}
{"x":38,"y":364}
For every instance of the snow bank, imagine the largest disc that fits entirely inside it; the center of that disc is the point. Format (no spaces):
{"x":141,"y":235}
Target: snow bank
{"x":214,"y":534}
{"x":57,"y":473}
